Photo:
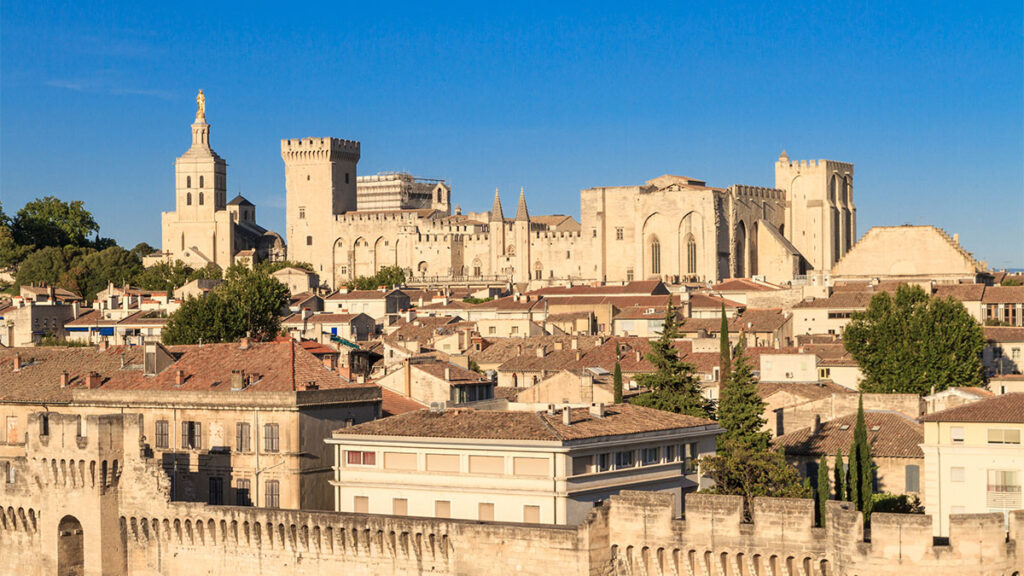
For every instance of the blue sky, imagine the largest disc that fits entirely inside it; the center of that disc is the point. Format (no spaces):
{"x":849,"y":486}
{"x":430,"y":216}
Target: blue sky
{"x":926,"y":99}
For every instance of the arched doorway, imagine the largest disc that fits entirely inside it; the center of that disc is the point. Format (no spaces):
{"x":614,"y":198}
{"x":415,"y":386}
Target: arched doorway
{"x":70,"y":547}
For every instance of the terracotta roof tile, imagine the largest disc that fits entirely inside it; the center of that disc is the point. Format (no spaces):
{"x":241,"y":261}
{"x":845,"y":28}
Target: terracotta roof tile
{"x":891,"y":435}
{"x":1003,"y":294}
{"x":393,"y":403}
{"x":839,"y":300}
{"x":1008,"y":408}
{"x":1004,"y":333}
{"x":743,"y":285}
{"x":620,"y":419}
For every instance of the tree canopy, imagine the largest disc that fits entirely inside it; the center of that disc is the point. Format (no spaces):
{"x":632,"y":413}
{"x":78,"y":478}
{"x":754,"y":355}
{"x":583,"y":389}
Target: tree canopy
{"x":386,"y":276}
{"x":673,"y":386}
{"x":49,"y":221}
{"x":741,"y":410}
{"x":912,"y":342}
{"x":247,"y":304}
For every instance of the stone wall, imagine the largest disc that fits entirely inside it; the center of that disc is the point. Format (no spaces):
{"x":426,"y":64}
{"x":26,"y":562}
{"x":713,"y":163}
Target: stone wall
{"x":129,"y":526}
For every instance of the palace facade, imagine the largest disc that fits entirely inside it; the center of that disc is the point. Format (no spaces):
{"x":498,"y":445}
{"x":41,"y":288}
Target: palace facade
{"x":672,"y":228}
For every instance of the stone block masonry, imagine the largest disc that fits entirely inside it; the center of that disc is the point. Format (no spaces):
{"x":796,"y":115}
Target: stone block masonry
{"x":86,"y":499}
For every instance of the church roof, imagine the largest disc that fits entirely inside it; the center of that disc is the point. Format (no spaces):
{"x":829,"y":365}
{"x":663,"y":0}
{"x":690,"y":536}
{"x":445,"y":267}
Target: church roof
{"x":240,"y":201}
{"x":521,"y":212}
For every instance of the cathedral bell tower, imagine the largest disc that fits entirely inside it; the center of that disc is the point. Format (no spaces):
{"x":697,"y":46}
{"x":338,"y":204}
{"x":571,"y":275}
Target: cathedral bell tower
{"x":200,"y":175}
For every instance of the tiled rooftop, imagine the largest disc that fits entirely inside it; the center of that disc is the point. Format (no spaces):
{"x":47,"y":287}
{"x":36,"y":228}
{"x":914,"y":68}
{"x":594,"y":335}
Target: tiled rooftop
{"x":1008,"y":408}
{"x":891,"y":435}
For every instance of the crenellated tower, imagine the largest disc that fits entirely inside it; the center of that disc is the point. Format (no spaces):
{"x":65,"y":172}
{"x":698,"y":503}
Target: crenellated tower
{"x":320,"y":183}
{"x":821,"y":219}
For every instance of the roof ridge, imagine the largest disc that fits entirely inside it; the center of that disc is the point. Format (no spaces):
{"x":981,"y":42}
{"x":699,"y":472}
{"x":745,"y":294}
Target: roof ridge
{"x":548,"y":425}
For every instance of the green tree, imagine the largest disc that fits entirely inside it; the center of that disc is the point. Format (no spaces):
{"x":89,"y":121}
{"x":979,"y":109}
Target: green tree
{"x":94,"y":271}
{"x":248,"y":303}
{"x":741,"y":410}
{"x":49,"y":221}
{"x":823,"y":489}
{"x":49,"y":266}
{"x":839,"y":476}
{"x":387,"y":276}
{"x":865,"y":464}
{"x":750,"y":473}
{"x":269,"y":267}
{"x":11,"y":252}
{"x":141,"y":250}
{"x":617,"y":382}
{"x":165,"y":276}
{"x":725,"y":350}
{"x":912,"y":342}
{"x":1011,"y":282}
{"x":673,"y":386}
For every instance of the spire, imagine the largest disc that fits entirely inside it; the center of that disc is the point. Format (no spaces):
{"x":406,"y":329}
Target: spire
{"x":496,"y":214}
{"x":521,"y":212}
{"x":784,"y":158}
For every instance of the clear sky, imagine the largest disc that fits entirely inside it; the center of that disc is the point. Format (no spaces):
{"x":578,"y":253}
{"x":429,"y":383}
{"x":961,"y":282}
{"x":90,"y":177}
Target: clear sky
{"x":926,"y":100}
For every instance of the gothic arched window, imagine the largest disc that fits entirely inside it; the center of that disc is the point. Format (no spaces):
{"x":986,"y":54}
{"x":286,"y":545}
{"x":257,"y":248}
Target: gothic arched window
{"x":655,"y":257}
{"x":200,"y":181}
{"x":691,"y":256}
{"x":188,"y":199}
{"x":200,"y":194}
{"x":188,"y":181}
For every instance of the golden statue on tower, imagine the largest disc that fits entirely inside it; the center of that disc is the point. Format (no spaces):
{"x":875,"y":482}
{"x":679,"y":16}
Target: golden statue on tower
{"x":201,"y":103}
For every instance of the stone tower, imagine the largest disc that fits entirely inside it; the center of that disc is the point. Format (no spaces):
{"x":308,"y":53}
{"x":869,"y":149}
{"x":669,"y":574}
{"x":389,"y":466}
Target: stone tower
{"x":496,"y":235}
{"x":522,"y":237}
{"x":821,"y":219}
{"x":200,"y":175}
{"x":320,"y":182}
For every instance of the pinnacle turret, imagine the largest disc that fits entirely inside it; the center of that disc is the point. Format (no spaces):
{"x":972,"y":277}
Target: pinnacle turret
{"x":521,"y":212}
{"x":496,"y":214}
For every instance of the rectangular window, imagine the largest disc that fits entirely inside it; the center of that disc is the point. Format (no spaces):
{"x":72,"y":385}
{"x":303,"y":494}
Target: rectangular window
{"x":361,"y":504}
{"x":399,"y":461}
{"x":486,"y":465}
{"x":531,"y":514}
{"x":191,"y":435}
{"x":400,"y":506}
{"x":243,"y":493}
{"x":581,"y":465}
{"x":163,"y":439}
{"x":10,"y":473}
{"x":956,"y":434}
{"x":670,"y":453}
{"x":273,"y":494}
{"x":957,"y":474}
{"x":1003,"y":436}
{"x":492,"y":330}
{"x":689,"y":452}
{"x":515,"y":329}
{"x":485,"y":512}
{"x":271,"y":438}
{"x":624,"y":459}
{"x":650,"y":455}
{"x":360,"y":458}
{"x":530,"y":466}
{"x":442,"y":509}
{"x":604,"y":462}
{"x":913,"y":478}
{"x":302,"y":212}
{"x":243,"y":437}
{"x":618,"y":233}
{"x":216,"y":490}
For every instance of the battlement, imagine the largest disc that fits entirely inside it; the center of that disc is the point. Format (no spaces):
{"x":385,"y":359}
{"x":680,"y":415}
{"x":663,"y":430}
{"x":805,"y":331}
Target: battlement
{"x":830,"y":165}
{"x":305,"y":149}
{"x":758,"y":192}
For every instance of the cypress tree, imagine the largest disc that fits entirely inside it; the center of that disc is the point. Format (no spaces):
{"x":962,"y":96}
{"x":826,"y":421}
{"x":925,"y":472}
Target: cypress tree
{"x":673,"y":386}
{"x":823,"y":489}
{"x":853,"y":476}
{"x":725,"y":352}
{"x":740,"y":410}
{"x":617,"y":382}
{"x":839,"y":474}
{"x":865,"y":467}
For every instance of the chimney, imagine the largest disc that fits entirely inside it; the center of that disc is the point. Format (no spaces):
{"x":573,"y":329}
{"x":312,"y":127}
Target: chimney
{"x":574,"y":343}
{"x":639,"y":356}
{"x":578,"y":355}
{"x":92,"y":380}
{"x":597,"y":409}
{"x":519,"y":349}
{"x":447,"y":374}
{"x":551,"y":409}
{"x":243,"y":344}
{"x":237,"y":380}
{"x":817,"y":423}
{"x":17,"y":362}
{"x":49,"y":293}
{"x":306,"y":313}
{"x":104,"y":345}
{"x":65,"y":378}
{"x":408,"y":379}
{"x":179,"y":377}
{"x":311,"y":385}
{"x":566,"y":416}
{"x":329,"y":362}
{"x":540,"y":351}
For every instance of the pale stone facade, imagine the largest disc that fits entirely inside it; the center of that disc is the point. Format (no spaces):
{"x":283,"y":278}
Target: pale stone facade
{"x":909,"y":253}
{"x":204,"y":227}
{"x":672,"y":227}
